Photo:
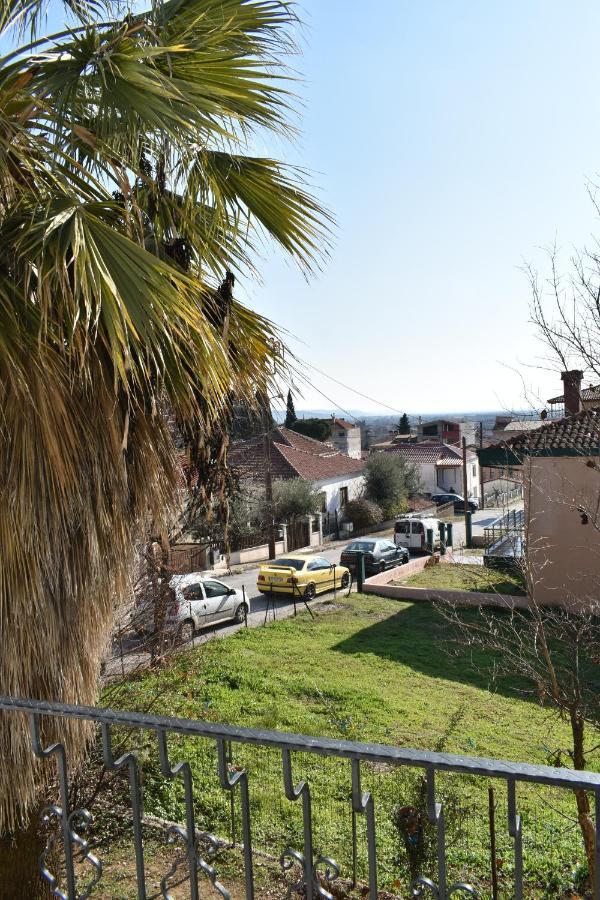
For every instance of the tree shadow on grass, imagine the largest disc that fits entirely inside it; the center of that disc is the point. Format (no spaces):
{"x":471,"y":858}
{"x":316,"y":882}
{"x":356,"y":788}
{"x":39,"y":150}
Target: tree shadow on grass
{"x":419,"y":637}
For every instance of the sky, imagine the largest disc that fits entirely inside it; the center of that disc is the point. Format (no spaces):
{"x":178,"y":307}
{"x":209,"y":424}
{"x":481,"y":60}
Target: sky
{"x":452,"y":140}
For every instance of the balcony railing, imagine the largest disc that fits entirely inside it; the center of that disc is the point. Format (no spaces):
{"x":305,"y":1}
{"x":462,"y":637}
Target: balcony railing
{"x":313,"y":870}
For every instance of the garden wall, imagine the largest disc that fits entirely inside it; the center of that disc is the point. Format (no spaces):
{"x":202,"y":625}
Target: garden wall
{"x":381,"y":586}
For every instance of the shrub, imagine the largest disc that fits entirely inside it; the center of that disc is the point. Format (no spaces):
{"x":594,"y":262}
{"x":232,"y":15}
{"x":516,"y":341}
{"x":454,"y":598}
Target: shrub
{"x":390,"y":481}
{"x":319,"y":429}
{"x":363,"y":513}
{"x":293,"y":498}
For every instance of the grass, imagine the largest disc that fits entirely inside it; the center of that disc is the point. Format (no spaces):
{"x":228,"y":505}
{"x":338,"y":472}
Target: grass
{"x":369,"y":670}
{"x":464,"y":577}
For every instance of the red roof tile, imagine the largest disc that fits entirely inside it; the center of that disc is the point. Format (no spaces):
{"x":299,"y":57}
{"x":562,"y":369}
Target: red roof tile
{"x":292,"y":456}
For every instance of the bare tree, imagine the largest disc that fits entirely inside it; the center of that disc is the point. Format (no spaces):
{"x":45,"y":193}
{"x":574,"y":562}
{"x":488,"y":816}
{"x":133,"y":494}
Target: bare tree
{"x":552,"y":656}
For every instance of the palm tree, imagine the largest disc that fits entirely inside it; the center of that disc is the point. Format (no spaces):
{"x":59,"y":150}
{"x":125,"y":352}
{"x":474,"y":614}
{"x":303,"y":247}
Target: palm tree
{"x":126,"y":190}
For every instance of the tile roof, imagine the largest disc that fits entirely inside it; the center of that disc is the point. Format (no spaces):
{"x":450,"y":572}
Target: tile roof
{"x":432,"y":453}
{"x":520,"y":425}
{"x":292,"y":456}
{"x":577,"y":435}
{"x":342,"y":423}
{"x":590,"y":394}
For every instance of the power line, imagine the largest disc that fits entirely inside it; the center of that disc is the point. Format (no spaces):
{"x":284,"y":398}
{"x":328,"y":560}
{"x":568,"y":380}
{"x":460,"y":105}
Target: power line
{"x":353,"y":390}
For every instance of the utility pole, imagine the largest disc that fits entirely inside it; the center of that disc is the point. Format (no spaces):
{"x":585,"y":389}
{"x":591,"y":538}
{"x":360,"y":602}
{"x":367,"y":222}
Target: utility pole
{"x":465,"y":494}
{"x":480,"y":472}
{"x":268,"y":477}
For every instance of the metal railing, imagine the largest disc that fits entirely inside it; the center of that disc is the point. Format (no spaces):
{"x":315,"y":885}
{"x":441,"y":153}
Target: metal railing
{"x":313,"y":870}
{"x":502,"y":498}
{"x":512,"y":524}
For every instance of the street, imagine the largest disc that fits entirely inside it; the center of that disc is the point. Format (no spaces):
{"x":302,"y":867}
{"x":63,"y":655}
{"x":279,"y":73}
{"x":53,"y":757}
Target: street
{"x":130,"y":654}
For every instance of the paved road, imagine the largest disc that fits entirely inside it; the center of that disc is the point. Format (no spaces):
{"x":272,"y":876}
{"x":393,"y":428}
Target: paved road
{"x":135,"y":656}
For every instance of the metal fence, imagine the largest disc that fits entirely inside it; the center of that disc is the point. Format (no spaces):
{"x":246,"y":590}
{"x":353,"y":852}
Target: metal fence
{"x":511,"y":524}
{"x":502,"y":498}
{"x":366,"y":776}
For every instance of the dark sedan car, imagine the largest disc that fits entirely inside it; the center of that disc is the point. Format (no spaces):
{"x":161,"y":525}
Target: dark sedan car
{"x":459,"y":502}
{"x":379,"y":555}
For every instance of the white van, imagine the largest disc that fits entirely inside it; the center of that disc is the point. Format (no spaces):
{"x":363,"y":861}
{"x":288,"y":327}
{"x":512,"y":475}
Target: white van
{"x":411,"y":532}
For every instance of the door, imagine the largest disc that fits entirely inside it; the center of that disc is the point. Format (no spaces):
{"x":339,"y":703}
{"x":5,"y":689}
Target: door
{"x":321,"y":572}
{"x":417,"y":535}
{"x":194,"y":606}
{"x":402,"y":534}
{"x":219,"y":602}
{"x":389,"y":552}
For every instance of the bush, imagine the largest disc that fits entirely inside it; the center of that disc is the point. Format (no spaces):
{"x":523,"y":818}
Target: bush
{"x":363,"y":513}
{"x":390,"y":481}
{"x":293,"y":498}
{"x":319,"y":429}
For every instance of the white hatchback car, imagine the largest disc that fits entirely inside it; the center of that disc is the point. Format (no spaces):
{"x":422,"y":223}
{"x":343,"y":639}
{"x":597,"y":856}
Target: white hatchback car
{"x":200,"y":601}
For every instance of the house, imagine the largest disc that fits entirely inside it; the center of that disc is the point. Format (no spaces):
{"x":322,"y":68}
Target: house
{"x":440,"y":467}
{"x":574,"y":397}
{"x":505,"y":427}
{"x":560,"y":464}
{"x":336,"y":476}
{"x":346,"y":438}
{"x":447,"y":431}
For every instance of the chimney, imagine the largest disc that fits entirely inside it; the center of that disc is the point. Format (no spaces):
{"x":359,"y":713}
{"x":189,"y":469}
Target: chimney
{"x":572,"y":391}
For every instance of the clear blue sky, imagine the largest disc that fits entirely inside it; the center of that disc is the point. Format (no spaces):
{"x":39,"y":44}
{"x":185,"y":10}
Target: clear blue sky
{"x":452,"y":139}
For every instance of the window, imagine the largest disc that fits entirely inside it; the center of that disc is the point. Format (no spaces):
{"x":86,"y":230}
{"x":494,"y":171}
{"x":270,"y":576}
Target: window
{"x":192,"y":592}
{"x":288,"y":563}
{"x":319,"y":563}
{"x":361,"y":546}
{"x":417,"y":528}
{"x":215,"y":589}
{"x":343,"y":496}
{"x":402,"y":528}
{"x":341,"y":434}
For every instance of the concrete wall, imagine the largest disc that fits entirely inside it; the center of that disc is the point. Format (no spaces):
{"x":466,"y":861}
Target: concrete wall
{"x":331,"y":487}
{"x":347,"y":440}
{"x":382,"y":587}
{"x":563,"y":554}
{"x":255,"y":554}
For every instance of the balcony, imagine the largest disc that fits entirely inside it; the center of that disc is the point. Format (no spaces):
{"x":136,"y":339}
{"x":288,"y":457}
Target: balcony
{"x":241,"y":759}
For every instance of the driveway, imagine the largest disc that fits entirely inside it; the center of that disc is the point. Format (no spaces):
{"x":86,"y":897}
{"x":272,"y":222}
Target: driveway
{"x":130,"y":653}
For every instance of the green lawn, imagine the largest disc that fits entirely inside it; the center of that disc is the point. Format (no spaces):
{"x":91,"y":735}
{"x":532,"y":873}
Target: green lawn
{"x":463,"y":577}
{"x":365,"y":669}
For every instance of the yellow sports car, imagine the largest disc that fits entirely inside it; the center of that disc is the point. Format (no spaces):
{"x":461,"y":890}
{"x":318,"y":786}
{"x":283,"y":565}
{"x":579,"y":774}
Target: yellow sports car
{"x":302,"y":574}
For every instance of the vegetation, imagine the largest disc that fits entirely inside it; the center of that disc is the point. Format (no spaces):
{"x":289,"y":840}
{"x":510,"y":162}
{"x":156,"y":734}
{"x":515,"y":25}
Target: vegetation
{"x":294,"y":498}
{"x":372,"y":671}
{"x":290,"y":413}
{"x":319,"y":429}
{"x":403,"y":424}
{"x":125,"y":178}
{"x":463,"y":577}
{"x":390,"y":481}
{"x":363,"y":513}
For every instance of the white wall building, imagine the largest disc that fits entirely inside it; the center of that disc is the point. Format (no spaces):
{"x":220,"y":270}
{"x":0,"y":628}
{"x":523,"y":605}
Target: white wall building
{"x":440,"y":467}
{"x":346,"y":438}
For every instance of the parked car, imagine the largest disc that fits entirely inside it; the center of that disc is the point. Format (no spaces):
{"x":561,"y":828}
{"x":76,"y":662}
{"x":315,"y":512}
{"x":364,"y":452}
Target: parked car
{"x":302,"y":574}
{"x":378,"y":555}
{"x":411,"y":532}
{"x":457,"y":500}
{"x":199,"y":601}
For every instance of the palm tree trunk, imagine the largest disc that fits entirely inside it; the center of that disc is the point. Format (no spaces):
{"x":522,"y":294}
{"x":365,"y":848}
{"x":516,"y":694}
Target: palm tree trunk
{"x":20,"y":877}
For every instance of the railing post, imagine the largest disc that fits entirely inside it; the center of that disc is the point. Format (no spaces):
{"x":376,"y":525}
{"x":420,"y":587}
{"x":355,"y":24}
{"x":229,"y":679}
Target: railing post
{"x":363,"y":803}
{"x":514,"y":829}
{"x":57,"y":750}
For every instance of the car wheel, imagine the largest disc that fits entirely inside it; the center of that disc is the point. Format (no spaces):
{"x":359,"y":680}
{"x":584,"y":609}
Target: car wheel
{"x":240,"y":613}
{"x":382,"y":566}
{"x":345,"y":580}
{"x":310,"y":591}
{"x":186,"y":631}
{"x":405,"y":559}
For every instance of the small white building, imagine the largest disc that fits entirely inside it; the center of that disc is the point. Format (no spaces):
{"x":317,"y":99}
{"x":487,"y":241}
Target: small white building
{"x":335,"y":475}
{"x":346,"y":438}
{"x":440,"y":467}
